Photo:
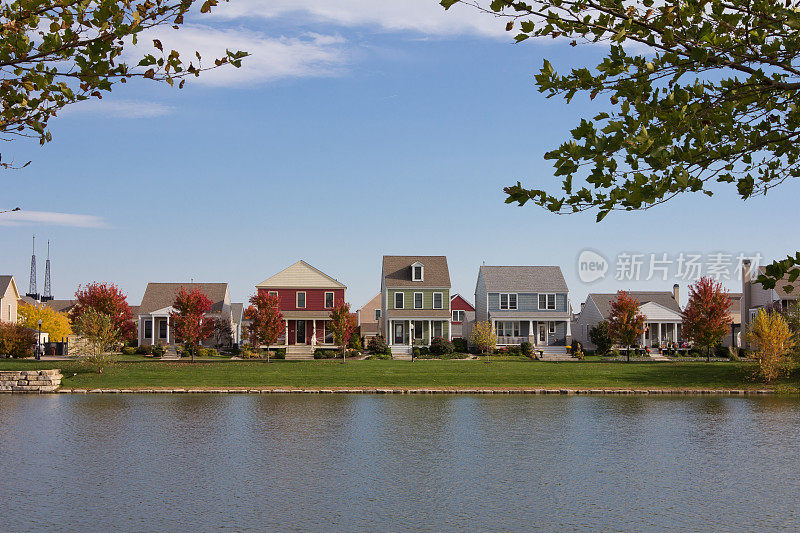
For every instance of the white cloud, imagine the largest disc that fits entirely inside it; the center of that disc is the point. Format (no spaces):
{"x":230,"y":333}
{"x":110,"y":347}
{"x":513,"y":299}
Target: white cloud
{"x":271,"y":58}
{"x":48,"y":218}
{"x":422,"y":16}
{"x":119,"y":108}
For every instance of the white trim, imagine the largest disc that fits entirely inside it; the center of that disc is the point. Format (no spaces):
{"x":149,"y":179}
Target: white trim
{"x":453,"y":317}
{"x":414,"y":266}
{"x":508,"y":301}
{"x":297,"y":300}
{"x":551,"y":327}
{"x":402,"y":300}
{"x":325,"y":300}
{"x":421,"y":300}
{"x":273,"y":293}
{"x":441,"y":300}
{"x":377,"y":313}
{"x":546,"y":301}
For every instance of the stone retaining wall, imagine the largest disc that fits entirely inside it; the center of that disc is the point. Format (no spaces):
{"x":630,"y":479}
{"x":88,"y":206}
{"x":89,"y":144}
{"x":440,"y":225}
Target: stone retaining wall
{"x":729,"y":392}
{"x":30,"y":380}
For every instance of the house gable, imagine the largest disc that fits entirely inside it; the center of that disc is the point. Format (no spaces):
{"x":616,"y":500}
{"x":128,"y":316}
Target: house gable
{"x":656,"y":312}
{"x":300,"y":275}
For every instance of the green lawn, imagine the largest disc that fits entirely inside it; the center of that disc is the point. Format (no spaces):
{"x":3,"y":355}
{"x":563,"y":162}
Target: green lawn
{"x":419,"y":374}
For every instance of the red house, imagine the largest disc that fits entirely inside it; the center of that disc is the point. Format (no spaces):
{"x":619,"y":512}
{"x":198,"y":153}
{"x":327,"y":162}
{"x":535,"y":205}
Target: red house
{"x":462,"y":311}
{"x":307,"y":296}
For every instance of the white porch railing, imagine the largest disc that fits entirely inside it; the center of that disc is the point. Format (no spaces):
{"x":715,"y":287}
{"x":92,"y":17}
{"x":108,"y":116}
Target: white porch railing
{"x":501,"y":341}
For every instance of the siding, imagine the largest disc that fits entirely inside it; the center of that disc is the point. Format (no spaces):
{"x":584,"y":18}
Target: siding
{"x":590,"y":316}
{"x":481,"y":313}
{"x":528,"y":301}
{"x":315,"y":298}
{"x":427,"y":298}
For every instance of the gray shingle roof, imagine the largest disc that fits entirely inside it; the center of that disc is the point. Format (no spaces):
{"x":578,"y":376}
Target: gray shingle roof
{"x":5,"y":281}
{"x":663,"y":298}
{"x":237,"y":310}
{"x":397,"y":271}
{"x":160,"y":295}
{"x":62,"y":306}
{"x":524,"y":278}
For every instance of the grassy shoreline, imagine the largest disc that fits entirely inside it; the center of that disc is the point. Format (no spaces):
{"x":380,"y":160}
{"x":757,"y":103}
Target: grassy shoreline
{"x":506,"y":373}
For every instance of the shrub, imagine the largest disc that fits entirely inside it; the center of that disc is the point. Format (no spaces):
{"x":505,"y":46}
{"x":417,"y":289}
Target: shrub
{"x":355,"y":343}
{"x":416,"y":352}
{"x":460,"y":345}
{"x":424,"y":350}
{"x":158,"y":350}
{"x":144,"y":350}
{"x":441,"y":346}
{"x":248,"y":353}
{"x":526,"y":348}
{"x":600,"y":337}
{"x":721,"y":351}
{"x":377,"y":345}
{"x":514,"y":350}
{"x":279,"y":353}
{"x":16,"y":340}
{"x":326,"y":353}
{"x":128,"y":350}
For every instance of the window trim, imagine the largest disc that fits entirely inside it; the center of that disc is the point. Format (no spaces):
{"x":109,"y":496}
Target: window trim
{"x":421,"y":329}
{"x":297,"y":299}
{"x":547,"y":296}
{"x":414,"y":266}
{"x":325,"y":300}
{"x":434,"y":324}
{"x":551,"y":327}
{"x":272,"y":293}
{"x":402,"y":300}
{"x":377,"y":314}
{"x":441,"y":300}
{"x":148,"y":322}
{"x":421,"y":300}
{"x":165,"y":328}
{"x":454,"y":316}
{"x":508,"y":301}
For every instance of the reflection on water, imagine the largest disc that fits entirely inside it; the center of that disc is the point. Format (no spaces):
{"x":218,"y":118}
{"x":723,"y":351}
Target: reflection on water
{"x":349,"y":462}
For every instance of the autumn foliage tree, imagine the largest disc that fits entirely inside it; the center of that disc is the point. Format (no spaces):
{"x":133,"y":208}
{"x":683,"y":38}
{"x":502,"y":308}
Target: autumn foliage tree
{"x":626,"y":322}
{"x":189,"y":319}
{"x":483,"y":336}
{"x":342,"y":325}
{"x":107,"y":299}
{"x":706,"y":319}
{"x":266,"y":320}
{"x":772,"y":341}
{"x":54,"y":323}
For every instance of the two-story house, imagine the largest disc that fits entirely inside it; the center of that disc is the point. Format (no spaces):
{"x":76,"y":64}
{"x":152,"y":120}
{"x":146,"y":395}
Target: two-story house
{"x":369,"y":318}
{"x":9,"y":295}
{"x":524,"y":303}
{"x":755,"y":296}
{"x":415,"y":301}
{"x":307,"y":296}
{"x":463,"y":315}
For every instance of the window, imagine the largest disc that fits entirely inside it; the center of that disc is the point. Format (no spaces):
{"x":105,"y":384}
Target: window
{"x":328,"y":300}
{"x":507,"y":329}
{"x":301,"y":300}
{"x":273,"y":293}
{"x":398,"y":300}
{"x":437,"y":329}
{"x":508,"y":301}
{"x":377,"y":314}
{"x":328,"y":333}
{"x":547,"y":301}
{"x":552,"y":327}
{"x":148,"y":329}
{"x":416,"y":272}
{"x":458,"y":315}
{"x":437,"y":300}
{"x":162,"y":329}
{"x":417,"y":300}
{"x":418,"y":330}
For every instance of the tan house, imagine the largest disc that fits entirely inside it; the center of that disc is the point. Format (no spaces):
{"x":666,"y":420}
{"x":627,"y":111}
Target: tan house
{"x":9,"y":294}
{"x":152,"y":317}
{"x":755,"y":296}
{"x":369,"y":318}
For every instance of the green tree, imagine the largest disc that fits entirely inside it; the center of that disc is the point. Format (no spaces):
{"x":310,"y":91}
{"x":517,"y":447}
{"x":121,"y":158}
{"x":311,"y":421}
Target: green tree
{"x":600,"y":337}
{"x":54,"y":53}
{"x":692,"y":96}
{"x":100,"y":337}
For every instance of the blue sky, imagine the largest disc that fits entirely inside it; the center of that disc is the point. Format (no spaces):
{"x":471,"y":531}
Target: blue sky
{"x":357,"y":129}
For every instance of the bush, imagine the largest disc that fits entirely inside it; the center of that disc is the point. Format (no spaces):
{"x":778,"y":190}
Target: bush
{"x":279,"y":353}
{"x":600,"y":337}
{"x":207,"y":352}
{"x":144,"y":350}
{"x":721,"y":351}
{"x":158,"y":350}
{"x":128,"y":350}
{"x":355,"y":343}
{"x":377,"y":345}
{"x":514,"y":350}
{"x":16,"y":340}
{"x":441,"y":346}
{"x":526,"y":348}
{"x":416,"y":352}
{"x":327,"y":353}
{"x":460,"y":345}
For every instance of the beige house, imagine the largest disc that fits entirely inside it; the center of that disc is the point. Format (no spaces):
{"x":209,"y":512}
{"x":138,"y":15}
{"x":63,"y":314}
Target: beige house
{"x":369,"y":318}
{"x":755,"y":296}
{"x":8,"y":299}
{"x":152,"y":317}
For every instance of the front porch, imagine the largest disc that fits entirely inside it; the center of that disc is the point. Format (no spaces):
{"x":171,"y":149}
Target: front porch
{"x":661,"y":333}
{"x":154,"y":328}
{"x":411,"y":332}
{"x":554,"y":332}
{"x":313,"y":333}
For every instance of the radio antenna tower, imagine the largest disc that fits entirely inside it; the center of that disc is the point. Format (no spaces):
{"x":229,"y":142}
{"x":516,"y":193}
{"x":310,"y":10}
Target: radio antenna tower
{"x":32,"y":286}
{"x":47,"y":295}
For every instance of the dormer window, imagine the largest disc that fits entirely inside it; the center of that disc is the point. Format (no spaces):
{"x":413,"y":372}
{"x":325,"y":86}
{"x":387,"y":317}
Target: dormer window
{"x":417,"y":271}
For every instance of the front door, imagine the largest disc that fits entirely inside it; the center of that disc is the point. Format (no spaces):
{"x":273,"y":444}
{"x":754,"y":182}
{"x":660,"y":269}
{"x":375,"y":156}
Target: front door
{"x":301,"y":332}
{"x":399,"y":333}
{"x":541,"y":338}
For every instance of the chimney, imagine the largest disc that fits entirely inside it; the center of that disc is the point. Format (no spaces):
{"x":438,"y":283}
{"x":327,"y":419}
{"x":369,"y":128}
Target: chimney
{"x":676,"y":293}
{"x":582,"y":304}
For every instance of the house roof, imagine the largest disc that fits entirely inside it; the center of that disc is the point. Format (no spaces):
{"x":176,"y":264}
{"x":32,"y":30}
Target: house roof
{"x":300,"y":275}
{"x":62,"y":306}
{"x":524,"y":278}
{"x":465,"y":302}
{"x":237,"y":311}
{"x":779,"y":287}
{"x":5,"y":281}
{"x":161,"y":295}
{"x":662,"y":298}
{"x":397,"y":271}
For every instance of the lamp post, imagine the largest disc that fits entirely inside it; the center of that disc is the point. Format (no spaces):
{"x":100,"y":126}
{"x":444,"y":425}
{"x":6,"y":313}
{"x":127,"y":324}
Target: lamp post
{"x":39,"y":342}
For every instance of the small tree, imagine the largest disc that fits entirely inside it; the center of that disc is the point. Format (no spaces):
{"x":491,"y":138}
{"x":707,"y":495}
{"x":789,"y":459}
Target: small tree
{"x":108,"y":299}
{"x":189,"y":318}
{"x":377,"y":345}
{"x":706,"y":319}
{"x":266,"y":320}
{"x":772,"y":341}
{"x":600,"y":337}
{"x":100,"y":334}
{"x":626,"y":322}
{"x":342,"y":325}
{"x":223,"y":332}
{"x":16,"y":340}
{"x":54,"y":323}
{"x":483,"y":336}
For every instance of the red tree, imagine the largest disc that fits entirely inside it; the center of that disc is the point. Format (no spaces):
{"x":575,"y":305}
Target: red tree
{"x":266,"y":320}
{"x":189,"y":318}
{"x":342,"y":325}
{"x":626,"y":322}
{"x":108,"y":299}
{"x":706,"y":319}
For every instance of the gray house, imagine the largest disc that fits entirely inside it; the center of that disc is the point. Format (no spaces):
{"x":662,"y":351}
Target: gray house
{"x":524,"y":303}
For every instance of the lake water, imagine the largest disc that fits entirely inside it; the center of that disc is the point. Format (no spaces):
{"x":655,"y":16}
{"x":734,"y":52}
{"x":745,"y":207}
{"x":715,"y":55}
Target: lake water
{"x":398,"y":463}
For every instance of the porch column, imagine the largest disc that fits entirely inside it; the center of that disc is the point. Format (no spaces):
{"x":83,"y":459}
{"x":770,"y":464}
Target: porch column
{"x":430,"y":332}
{"x":390,"y":332}
{"x":139,"y":330}
{"x":167,"y":341}
{"x":152,"y":330}
{"x":569,"y":328}
{"x":643,"y":333}
{"x":314,"y":334}
{"x":410,"y":335}
{"x":659,"y":334}
{"x":286,"y":332}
